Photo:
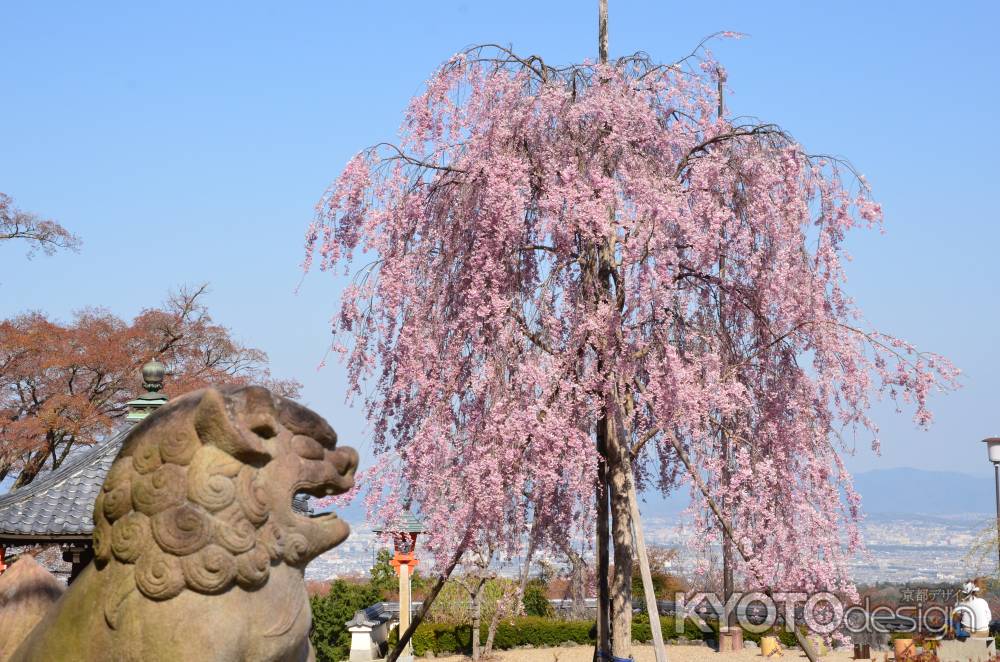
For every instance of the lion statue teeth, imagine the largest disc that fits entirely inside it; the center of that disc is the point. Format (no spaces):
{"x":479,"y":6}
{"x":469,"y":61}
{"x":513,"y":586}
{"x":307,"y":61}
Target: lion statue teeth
{"x":198,"y":553}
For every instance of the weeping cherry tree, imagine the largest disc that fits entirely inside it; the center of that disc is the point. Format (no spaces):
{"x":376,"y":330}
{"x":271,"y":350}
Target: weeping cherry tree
{"x":553,"y":257}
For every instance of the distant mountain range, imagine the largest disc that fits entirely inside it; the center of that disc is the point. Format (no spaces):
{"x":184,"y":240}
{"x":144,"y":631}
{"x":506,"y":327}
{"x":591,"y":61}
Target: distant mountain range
{"x":904,"y":490}
{"x":889,"y":491}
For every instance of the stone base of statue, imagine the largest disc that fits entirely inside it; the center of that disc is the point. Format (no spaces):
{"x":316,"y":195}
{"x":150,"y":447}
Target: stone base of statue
{"x":27,"y":593}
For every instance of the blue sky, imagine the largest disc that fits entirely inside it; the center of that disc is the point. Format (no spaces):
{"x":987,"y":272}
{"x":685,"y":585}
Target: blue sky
{"x":188,"y":142}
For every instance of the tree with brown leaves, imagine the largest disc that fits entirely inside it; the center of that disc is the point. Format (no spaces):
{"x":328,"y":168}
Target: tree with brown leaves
{"x":63,"y":386}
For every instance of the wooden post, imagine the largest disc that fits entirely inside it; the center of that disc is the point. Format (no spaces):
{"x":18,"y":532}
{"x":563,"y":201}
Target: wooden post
{"x":603,"y":647}
{"x":647,"y":577}
{"x":722,"y":99}
{"x":730,"y":635}
{"x":602,"y":31}
{"x":603,"y":535}
{"x":404,"y":604}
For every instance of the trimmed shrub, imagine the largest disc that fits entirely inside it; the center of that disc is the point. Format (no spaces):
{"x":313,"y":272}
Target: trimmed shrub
{"x":641,"y":630}
{"x":453,"y":604}
{"x":536,"y":602}
{"x":785,"y":638}
{"x":447,"y":638}
{"x":443,"y":638}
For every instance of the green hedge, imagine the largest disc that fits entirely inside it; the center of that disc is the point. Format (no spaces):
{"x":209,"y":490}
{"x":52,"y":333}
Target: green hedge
{"x":535,"y":602}
{"x":641,"y":630}
{"x":448,"y":638}
{"x":528,"y":630}
{"x":445,"y":638}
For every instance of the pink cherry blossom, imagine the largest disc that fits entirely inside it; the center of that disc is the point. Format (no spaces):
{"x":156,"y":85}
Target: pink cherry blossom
{"x":484,"y":356}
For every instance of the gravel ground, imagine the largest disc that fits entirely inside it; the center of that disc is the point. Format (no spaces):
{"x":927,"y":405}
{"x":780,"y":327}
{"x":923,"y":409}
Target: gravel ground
{"x":645,"y":654}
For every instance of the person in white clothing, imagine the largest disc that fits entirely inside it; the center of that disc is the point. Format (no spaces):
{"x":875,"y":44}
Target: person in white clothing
{"x":973,"y":611}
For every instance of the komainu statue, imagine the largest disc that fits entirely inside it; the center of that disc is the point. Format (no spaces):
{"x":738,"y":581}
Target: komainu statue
{"x":27,"y":592}
{"x":199,"y":554}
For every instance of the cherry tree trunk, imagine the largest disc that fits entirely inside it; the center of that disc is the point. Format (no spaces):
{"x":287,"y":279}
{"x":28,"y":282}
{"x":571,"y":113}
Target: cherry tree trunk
{"x":603,"y":589}
{"x":518,"y":595}
{"x":577,"y":583}
{"x":621,"y":535}
{"x":492,"y":632}
{"x":477,"y":618}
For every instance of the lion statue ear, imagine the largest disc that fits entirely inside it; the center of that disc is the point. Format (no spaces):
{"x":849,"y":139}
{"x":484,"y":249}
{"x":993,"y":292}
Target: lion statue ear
{"x":215,"y":428}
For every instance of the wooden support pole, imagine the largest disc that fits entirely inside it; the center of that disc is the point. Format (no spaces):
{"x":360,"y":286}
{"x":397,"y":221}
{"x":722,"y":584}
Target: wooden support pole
{"x":647,"y":578}
{"x":603,"y":537}
{"x":602,"y":31}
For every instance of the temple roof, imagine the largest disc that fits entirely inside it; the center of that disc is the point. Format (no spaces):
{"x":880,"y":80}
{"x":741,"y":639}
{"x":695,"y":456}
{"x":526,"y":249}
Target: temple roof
{"x":404,"y":522}
{"x":59,"y":506}
{"x":373,"y":616}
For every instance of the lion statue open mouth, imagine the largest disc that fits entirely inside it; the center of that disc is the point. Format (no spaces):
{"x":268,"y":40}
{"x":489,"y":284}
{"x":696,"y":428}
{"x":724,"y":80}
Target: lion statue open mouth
{"x":199,"y":554}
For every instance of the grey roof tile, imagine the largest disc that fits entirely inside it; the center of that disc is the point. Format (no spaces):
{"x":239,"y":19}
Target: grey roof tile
{"x":61,"y":503}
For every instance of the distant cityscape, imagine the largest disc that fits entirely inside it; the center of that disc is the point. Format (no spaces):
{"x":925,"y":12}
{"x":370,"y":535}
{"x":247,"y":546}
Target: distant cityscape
{"x":901,"y":548}
{"x":918,"y":548}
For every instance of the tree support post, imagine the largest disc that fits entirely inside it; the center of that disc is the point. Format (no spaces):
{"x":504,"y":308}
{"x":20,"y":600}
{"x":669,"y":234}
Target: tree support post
{"x":603,"y":535}
{"x":647,"y":578}
{"x":603,"y":508}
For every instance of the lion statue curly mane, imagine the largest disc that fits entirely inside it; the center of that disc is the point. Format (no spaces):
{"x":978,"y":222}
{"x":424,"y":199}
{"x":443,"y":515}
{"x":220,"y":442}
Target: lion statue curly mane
{"x":198,"y":552}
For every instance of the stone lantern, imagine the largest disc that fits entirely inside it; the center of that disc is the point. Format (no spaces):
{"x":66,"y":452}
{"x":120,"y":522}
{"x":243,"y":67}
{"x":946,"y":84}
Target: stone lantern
{"x":404,"y":530}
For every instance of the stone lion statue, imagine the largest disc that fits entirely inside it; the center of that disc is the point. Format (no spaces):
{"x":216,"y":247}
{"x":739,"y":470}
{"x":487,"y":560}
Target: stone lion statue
{"x":199,"y":554}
